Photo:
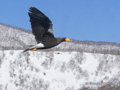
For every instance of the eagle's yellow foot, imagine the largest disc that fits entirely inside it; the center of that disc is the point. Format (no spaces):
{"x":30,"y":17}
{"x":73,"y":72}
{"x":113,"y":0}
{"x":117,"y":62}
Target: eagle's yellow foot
{"x":33,"y":49}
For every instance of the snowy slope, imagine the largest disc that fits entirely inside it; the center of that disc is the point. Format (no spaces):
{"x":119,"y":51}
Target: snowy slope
{"x":14,"y":38}
{"x":78,"y":65}
{"x":58,"y":70}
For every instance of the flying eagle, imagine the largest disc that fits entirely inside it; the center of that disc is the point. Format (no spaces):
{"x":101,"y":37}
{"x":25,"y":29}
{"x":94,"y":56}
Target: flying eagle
{"x":42,"y":29}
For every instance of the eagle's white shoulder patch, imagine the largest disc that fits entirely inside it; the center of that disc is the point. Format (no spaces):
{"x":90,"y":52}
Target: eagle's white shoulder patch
{"x":39,"y":45}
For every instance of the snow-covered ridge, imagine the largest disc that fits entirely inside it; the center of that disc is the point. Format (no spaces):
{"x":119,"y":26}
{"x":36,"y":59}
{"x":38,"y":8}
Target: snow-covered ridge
{"x":78,"y":65}
{"x":12,"y":38}
{"x":58,"y":70}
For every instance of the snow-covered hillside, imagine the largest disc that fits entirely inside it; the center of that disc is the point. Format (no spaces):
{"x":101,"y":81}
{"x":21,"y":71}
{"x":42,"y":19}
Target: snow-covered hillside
{"x":78,"y":65}
{"x":14,"y":38}
{"x":58,"y":70}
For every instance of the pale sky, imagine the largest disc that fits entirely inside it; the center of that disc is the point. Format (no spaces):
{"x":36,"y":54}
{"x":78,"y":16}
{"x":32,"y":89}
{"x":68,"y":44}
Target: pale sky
{"x":96,"y":20}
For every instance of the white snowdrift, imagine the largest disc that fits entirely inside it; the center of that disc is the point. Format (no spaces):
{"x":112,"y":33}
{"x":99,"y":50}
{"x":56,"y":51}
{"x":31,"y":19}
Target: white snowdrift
{"x":56,"y":70}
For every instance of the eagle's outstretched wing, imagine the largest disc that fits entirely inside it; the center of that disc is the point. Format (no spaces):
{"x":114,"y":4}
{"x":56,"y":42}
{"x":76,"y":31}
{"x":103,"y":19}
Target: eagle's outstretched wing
{"x":41,"y":25}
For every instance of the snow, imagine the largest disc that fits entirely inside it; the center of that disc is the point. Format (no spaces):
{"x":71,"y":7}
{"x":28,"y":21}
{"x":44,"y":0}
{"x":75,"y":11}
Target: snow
{"x":90,"y":62}
{"x":18,"y":38}
{"x":75,"y":66}
{"x":12,"y":38}
{"x":56,"y":70}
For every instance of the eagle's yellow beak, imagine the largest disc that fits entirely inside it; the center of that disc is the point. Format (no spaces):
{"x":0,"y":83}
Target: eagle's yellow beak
{"x":67,"y":39}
